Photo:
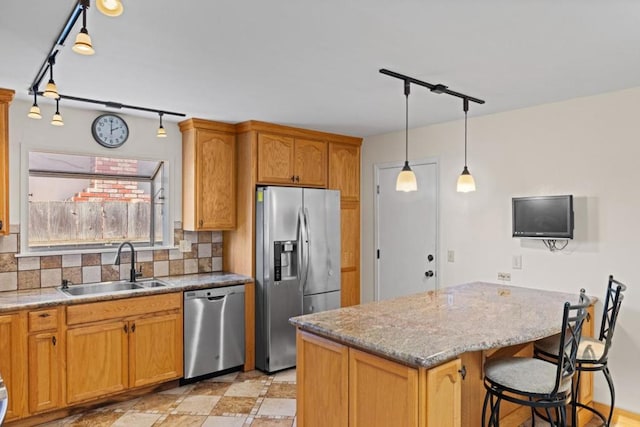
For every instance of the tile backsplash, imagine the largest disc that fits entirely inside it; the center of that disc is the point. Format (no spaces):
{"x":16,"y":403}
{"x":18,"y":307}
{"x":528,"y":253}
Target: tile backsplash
{"x":45,"y":271}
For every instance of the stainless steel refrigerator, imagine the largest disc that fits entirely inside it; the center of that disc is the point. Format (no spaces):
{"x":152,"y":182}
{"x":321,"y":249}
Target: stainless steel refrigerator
{"x":297,"y":266}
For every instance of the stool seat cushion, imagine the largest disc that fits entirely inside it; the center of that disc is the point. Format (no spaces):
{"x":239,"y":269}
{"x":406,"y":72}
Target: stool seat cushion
{"x":590,"y":349}
{"x":524,"y":374}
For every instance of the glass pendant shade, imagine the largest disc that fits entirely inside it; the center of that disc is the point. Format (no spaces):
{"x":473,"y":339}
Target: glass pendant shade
{"x":110,"y":7}
{"x":161,"y":132}
{"x":51,"y":90}
{"x":466,"y":183}
{"x":406,"y":179}
{"x":57,"y":120}
{"x":34,"y":112}
{"x":83,"y":43}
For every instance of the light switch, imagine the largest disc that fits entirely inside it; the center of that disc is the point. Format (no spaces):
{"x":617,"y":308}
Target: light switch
{"x":516,"y":262}
{"x":451,"y":256}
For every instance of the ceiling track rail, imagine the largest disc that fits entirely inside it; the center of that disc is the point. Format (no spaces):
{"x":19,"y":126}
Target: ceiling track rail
{"x":51,"y":59}
{"x":435,"y":88}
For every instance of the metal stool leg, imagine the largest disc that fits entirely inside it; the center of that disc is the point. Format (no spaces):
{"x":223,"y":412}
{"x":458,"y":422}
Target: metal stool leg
{"x":607,"y":375}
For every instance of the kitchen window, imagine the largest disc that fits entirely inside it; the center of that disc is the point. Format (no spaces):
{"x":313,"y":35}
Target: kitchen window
{"x":92,"y":202}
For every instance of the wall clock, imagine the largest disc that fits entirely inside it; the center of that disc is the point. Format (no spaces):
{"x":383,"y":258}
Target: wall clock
{"x":110,"y":130}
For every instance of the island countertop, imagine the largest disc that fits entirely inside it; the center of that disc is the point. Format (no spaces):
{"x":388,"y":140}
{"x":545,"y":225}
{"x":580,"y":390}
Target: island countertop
{"x":427,"y":329}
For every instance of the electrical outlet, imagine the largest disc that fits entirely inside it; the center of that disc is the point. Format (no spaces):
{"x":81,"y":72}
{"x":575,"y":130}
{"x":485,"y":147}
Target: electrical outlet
{"x":516,"y":262}
{"x":504,"y":276}
{"x":185,"y":246}
{"x":451,"y":256}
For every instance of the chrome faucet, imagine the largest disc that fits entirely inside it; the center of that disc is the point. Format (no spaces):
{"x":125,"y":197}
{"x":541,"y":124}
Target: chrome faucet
{"x":133,"y":274}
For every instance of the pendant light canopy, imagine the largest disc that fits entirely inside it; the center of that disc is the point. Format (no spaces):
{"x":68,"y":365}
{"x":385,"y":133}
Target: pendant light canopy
{"x":406,"y":178}
{"x":466,"y":183}
{"x":56,"y":120}
{"x":162,"y":133}
{"x":34,"y":112}
{"x":83,"y":40}
{"x":110,"y":7}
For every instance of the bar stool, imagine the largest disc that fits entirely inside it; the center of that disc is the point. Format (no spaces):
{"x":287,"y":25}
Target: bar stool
{"x":534,"y":382}
{"x":592,"y":353}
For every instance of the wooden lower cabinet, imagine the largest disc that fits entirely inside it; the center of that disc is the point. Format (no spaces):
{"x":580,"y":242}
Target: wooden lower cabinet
{"x":339,"y":386}
{"x":323,"y":382}
{"x":45,"y":367}
{"x":155,"y":349}
{"x":97,"y":361}
{"x":13,"y":362}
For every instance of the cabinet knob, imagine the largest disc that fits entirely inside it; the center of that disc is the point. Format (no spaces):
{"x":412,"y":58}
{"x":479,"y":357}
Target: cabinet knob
{"x":53,"y":340}
{"x":126,"y":329}
{"x":133,"y":327}
{"x":0,"y":225}
{"x":293,"y":178}
{"x":297,"y":178}
{"x":463,"y":371}
{"x":201,"y":222}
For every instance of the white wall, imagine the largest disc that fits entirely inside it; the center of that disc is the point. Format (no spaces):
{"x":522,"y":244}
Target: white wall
{"x":75,"y":137}
{"x":588,"y":147}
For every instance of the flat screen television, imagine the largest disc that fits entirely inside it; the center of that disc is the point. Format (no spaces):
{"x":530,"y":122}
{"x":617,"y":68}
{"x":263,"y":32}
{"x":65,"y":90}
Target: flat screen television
{"x":543,"y":217}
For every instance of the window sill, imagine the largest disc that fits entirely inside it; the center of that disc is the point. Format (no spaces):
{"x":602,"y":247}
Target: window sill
{"x":90,"y":251}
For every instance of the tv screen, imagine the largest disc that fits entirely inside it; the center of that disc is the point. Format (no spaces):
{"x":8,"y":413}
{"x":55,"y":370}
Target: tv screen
{"x":543,"y":217}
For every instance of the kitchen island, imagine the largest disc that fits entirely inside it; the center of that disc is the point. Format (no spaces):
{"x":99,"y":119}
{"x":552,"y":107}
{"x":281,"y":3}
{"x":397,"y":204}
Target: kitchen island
{"x":417,"y":360}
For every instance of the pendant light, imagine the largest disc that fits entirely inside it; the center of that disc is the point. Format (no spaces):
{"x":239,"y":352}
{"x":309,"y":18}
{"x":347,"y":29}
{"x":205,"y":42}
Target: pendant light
{"x":161,"y":132}
{"x":110,"y":7}
{"x":57,"y":117}
{"x":83,"y":40}
{"x":34,"y":112}
{"x":466,"y":183}
{"x":51,"y":90}
{"x":406,"y":178}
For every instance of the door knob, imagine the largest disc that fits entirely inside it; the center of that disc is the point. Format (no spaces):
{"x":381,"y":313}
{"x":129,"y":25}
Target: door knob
{"x":429,"y":273}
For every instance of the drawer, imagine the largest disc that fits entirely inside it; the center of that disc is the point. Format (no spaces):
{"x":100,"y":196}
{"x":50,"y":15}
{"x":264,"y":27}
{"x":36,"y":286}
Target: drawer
{"x":42,"y":320}
{"x":122,"y":308}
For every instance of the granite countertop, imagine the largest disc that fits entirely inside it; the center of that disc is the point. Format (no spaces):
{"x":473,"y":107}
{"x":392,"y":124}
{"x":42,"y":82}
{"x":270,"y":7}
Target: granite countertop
{"x":430,"y":328}
{"x":45,"y":297}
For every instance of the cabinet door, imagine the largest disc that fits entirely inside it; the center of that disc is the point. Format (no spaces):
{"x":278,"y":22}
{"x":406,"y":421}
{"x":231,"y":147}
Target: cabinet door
{"x":6,"y":96}
{"x":311,"y":162}
{"x":216,"y":182}
{"x":275,"y":159}
{"x":97,"y":362}
{"x":350,"y":247}
{"x":323,"y":382}
{"x":13,"y":362}
{"x":344,"y":170}
{"x":155,"y":349}
{"x":381,"y":393}
{"x":444,"y":395}
{"x":45,"y":365}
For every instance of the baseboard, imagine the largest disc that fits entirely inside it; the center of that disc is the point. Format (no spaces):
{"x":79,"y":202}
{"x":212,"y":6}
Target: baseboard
{"x":620,"y":416}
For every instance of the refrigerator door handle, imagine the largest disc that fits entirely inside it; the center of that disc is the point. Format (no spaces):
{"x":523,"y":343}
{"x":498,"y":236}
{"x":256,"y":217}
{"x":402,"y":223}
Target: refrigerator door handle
{"x":303,"y":249}
{"x":299,"y":248}
{"x":307,"y":247}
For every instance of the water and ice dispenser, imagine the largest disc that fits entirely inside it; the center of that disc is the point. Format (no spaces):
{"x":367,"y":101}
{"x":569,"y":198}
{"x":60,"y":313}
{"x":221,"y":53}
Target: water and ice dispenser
{"x":285,"y":256}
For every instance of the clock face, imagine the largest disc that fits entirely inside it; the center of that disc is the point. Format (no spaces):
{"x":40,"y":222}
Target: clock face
{"x":109,"y":130}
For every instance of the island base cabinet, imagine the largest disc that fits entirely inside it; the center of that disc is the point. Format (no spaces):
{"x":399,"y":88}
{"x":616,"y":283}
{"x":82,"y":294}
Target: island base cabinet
{"x":340,"y":386}
{"x":96,"y":361}
{"x":323,"y":382}
{"x":381,"y":393}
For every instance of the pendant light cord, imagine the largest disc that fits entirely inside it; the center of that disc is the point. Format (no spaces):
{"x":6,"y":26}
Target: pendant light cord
{"x":406,"y":126}
{"x":466,"y":109}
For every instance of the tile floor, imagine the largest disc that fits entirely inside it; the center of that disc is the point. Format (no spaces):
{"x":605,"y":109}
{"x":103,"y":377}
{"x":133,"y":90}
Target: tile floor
{"x":234,"y":400}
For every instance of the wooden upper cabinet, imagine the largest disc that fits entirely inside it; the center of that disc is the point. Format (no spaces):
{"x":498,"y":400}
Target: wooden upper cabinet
{"x":6,"y":96}
{"x":294,"y":161}
{"x":208,"y":175}
{"x":344,"y":170}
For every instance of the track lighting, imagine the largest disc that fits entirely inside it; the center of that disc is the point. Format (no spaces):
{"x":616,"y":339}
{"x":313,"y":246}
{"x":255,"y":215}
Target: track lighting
{"x":83,"y":40}
{"x":57,"y":117}
{"x":162,"y":133}
{"x":34,"y":112}
{"x":466,"y":183}
{"x":110,"y":7}
{"x":51,"y":90}
{"x":406,"y":178}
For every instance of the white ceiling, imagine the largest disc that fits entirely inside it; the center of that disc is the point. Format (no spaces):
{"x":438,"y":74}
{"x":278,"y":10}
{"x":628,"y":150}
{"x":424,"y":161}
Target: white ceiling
{"x":314,"y":64}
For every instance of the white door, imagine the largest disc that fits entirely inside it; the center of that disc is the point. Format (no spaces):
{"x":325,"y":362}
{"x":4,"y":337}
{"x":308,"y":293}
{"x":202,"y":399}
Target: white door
{"x":406,"y":231}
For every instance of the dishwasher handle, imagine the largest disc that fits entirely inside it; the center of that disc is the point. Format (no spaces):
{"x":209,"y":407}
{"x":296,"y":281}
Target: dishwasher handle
{"x":218,"y":297}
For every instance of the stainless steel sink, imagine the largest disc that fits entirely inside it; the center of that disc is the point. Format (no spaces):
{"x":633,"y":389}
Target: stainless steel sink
{"x":110,"y":287}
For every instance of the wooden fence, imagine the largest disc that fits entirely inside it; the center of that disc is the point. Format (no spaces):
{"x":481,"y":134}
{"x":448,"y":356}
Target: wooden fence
{"x":68,"y":222}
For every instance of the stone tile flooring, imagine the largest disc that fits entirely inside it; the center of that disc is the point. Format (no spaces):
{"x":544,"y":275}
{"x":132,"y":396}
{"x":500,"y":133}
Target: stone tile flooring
{"x":234,"y":400}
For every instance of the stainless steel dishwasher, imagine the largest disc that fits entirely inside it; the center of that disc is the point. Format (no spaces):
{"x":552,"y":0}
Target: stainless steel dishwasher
{"x":213,"y":330}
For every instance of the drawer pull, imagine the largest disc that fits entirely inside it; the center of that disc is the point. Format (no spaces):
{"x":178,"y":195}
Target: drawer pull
{"x":43,"y":315}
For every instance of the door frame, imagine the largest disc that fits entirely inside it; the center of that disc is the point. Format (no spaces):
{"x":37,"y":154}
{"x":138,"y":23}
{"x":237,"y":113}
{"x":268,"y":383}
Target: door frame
{"x":376,"y":172}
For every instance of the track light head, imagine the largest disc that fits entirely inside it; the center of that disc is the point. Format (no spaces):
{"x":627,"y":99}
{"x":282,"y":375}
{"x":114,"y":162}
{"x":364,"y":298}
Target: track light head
{"x":162,"y":133}
{"x":83,"y":44}
{"x":110,"y":7}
